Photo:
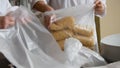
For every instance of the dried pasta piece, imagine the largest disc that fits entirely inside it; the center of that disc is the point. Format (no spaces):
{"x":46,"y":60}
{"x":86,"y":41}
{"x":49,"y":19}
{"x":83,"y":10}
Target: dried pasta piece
{"x":62,"y":34}
{"x":83,"y":30}
{"x":64,"y":23}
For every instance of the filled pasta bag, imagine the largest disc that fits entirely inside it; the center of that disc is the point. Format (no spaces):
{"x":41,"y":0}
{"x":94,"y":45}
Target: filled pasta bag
{"x":79,"y":20}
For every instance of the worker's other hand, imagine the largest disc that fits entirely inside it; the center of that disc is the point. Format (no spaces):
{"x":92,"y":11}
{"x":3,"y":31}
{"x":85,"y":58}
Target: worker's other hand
{"x":49,"y":19}
{"x":6,"y":21}
{"x":99,"y":6}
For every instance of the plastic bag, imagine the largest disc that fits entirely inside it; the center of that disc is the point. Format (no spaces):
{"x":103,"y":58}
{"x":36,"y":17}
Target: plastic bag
{"x":28,"y":44}
{"x":79,"y":23}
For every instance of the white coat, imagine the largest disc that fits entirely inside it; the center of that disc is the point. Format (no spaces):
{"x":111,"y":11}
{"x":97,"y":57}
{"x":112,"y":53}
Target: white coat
{"x":4,"y":5}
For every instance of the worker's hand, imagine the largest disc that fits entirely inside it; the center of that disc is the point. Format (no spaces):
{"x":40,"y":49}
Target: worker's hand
{"x":99,"y":7}
{"x":49,"y":19}
{"x":6,"y":21}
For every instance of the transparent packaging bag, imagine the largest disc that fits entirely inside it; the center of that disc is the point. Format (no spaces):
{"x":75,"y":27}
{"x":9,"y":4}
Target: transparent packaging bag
{"x":77,"y":22}
{"x":28,"y":44}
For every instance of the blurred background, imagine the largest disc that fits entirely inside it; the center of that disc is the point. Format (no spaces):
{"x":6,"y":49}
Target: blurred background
{"x":110,"y":24}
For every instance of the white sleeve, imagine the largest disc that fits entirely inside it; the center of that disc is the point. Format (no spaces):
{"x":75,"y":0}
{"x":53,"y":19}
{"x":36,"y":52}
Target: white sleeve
{"x":104,"y":13}
{"x":4,"y":6}
{"x":104,"y":2}
{"x":8,"y":5}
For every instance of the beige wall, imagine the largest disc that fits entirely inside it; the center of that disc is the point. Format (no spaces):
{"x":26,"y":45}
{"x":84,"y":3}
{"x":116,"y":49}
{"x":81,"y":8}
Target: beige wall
{"x":110,"y":24}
